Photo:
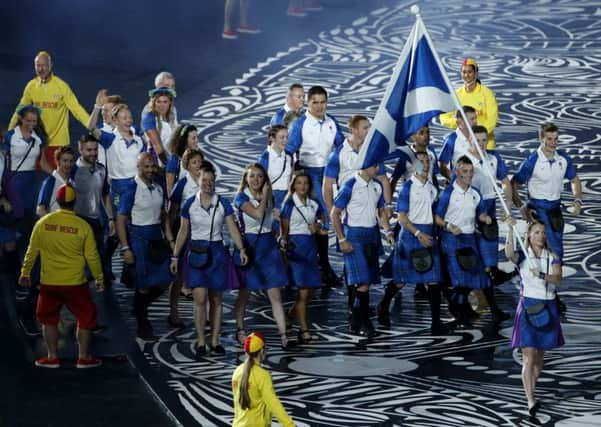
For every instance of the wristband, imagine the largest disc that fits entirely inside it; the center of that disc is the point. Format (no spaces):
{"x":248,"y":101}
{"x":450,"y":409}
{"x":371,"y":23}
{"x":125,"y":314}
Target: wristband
{"x":174,"y":258}
{"x":342,"y":240}
{"x":417,"y":233}
{"x":579,"y":201}
{"x":124,"y":248}
{"x":97,"y":107}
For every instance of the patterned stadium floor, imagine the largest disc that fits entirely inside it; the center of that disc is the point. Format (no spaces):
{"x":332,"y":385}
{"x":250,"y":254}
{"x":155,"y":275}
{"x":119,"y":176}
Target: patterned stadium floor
{"x":543,"y":60}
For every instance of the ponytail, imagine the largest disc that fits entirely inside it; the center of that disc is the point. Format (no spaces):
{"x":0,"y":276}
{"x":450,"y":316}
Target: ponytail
{"x":248,"y":364}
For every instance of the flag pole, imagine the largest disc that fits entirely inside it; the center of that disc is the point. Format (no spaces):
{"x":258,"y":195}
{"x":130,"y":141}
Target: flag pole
{"x":418,"y":16}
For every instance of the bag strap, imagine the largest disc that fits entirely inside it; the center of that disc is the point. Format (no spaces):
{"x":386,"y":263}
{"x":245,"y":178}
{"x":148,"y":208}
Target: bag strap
{"x":24,"y":158}
{"x":213,"y":217}
{"x":301,"y":214}
{"x":286,"y":155}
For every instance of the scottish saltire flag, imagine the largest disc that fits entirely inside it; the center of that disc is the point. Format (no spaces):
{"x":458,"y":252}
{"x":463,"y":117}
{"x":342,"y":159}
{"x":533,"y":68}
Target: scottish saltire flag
{"x":416,"y":92}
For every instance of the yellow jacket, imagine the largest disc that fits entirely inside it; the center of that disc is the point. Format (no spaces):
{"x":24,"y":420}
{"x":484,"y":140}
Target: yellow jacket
{"x":64,"y":242}
{"x":56,"y":99}
{"x":263,"y":400}
{"x":483,"y":100}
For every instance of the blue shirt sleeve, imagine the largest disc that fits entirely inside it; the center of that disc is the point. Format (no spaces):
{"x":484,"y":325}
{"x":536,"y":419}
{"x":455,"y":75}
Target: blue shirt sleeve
{"x":126,"y":201}
{"x":481,"y":208}
{"x":446,"y":154}
{"x":287,"y":207}
{"x":106,"y":139}
{"x":501,"y":167}
{"x":45,"y":194}
{"x":239,"y":199}
{"x":333,"y":165}
{"x":227,"y":206}
{"x":571,"y":169}
{"x":264,"y":159}
{"x":402,"y":204}
{"x":172,"y":165}
{"x":149,"y":122}
{"x":443,"y":202}
{"x":525,"y":171}
{"x":278,"y":118}
{"x":178,"y":190}
{"x":295,"y":136}
{"x":344,"y":196}
{"x":185,"y":211}
{"x":6,"y":146}
{"x":339,"y":138}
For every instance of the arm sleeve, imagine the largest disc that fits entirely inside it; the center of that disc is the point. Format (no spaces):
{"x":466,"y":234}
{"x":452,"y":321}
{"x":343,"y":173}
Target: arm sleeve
{"x":339,"y":138}
{"x":75,"y":107}
{"x":501,"y":167}
{"x":45,"y":195}
{"x":525,"y":171}
{"x":570,"y":169}
{"x":91,"y":254}
{"x":106,"y":139}
{"x":446,"y":154}
{"x":126,"y":201}
{"x":178,"y":191}
{"x":443,"y":202}
{"x":403,"y":199}
{"x":240,"y":199}
{"x":33,"y":250}
{"x":287,"y":207}
{"x":227,"y":207}
{"x":333,"y":166}
{"x":185,"y":212}
{"x":273,"y":402}
{"x":295,"y":137}
{"x":344,"y":196}
{"x":264,"y":160}
{"x":172,"y":164}
{"x":149,"y":122}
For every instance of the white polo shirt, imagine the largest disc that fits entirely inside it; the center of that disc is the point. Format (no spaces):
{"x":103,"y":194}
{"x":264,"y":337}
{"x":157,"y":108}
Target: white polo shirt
{"x":533,"y":286}
{"x":184,"y":188}
{"x":314,"y":139}
{"x":361,"y":199}
{"x":200,"y":218}
{"x":278,"y":166}
{"x":121,"y":154}
{"x":455,"y":145}
{"x":299,"y":214}
{"x":250,"y":224}
{"x":416,"y":200}
{"x":460,"y":207}
{"x":143,"y":203}
{"x":481,"y":181}
{"x":17,"y":146}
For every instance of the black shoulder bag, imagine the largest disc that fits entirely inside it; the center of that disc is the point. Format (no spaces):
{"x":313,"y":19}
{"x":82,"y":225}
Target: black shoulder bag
{"x":199,"y":256}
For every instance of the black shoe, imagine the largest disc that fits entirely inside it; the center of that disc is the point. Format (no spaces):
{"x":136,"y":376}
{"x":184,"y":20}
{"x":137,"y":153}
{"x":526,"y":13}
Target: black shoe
{"x":146,"y":333}
{"x":438,"y":328}
{"x":177,"y":324}
{"x":217,"y":350}
{"x":30,"y":327}
{"x":201,"y":351}
{"x":383,"y":316}
{"x":367,"y":330}
{"x":354,"y":324}
{"x":289,"y":345}
{"x":532,"y":411}
{"x":561,"y":307}
{"x":420,"y":292}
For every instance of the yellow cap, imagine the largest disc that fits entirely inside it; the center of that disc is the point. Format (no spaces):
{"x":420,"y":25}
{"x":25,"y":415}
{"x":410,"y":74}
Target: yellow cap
{"x":254,"y":342}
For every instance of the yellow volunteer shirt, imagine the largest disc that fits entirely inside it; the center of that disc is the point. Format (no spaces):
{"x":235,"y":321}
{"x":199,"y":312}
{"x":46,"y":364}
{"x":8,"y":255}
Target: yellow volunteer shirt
{"x":483,"y":100}
{"x":56,"y":99}
{"x":263,"y":400}
{"x":65,"y":243}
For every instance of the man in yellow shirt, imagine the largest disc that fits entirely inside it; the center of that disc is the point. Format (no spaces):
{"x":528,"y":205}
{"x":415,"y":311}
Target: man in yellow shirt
{"x":65,"y":244}
{"x":55,"y":98}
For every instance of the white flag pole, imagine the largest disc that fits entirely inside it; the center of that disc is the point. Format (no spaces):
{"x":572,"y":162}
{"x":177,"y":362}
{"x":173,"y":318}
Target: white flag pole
{"x":415,"y":10}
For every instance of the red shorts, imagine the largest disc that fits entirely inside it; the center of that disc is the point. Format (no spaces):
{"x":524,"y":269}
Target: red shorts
{"x":49,"y":154}
{"x":77,"y":299}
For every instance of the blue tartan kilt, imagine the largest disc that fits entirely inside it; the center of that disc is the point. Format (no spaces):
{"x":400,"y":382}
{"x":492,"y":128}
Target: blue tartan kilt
{"x":147,"y":274}
{"x":555,"y":238}
{"x":525,"y":335}
{"x":303,"y":261}
{"x":213,"y":276}
{"x":358,"y":271}
{"x":267,"y":270}
{"x":475,"y":279}
{"x":402,"y":267}
{"x":489,"y":249}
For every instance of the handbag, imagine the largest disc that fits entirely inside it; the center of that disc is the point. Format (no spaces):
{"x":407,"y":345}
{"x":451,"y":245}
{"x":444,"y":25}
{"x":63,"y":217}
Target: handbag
{"x":199,"y":256}
{"x":421,"y":260}
{"x":467,"y":258}
{"x":371,"y":252}
{"x":248,"y":249}
{"x":7,"y":219}
{"x":158,"y":251}
{"x":538,"y":315}
{"x":490,"y":231}
{"x":556,"y":219}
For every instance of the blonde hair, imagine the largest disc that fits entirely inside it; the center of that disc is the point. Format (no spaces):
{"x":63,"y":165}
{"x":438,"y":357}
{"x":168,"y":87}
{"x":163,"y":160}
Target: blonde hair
{"x":244,"y":398}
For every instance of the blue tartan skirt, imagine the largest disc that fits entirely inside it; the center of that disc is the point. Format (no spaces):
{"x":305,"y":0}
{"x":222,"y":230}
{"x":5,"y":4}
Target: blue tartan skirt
{"x":213,"y":276}
{"x":555,"y":238}
{"x":474,"y":279}
{"x":267,"y":270}
{"x":147,"y":274}
{"x":526,"y":335}
{"x":303,"y":261}
{"x":359,"y":271}
{"x":403,"y":271}
{"x":489,"y":249}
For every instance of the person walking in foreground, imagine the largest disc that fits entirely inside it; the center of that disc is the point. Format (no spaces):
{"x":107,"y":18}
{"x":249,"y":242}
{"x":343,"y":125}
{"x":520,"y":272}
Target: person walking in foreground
{"x":255,"y":400}
{"x":65,"y":244}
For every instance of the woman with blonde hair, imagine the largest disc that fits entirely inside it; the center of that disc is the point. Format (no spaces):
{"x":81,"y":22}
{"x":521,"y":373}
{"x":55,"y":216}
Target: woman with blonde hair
{"x":537,"y":324}
{"x":255,"y":400}
{"x":159,"y":122}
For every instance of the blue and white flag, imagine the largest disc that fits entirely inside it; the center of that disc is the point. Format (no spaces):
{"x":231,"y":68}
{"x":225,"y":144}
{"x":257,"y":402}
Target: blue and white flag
{"x":417,"y":91}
